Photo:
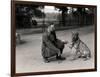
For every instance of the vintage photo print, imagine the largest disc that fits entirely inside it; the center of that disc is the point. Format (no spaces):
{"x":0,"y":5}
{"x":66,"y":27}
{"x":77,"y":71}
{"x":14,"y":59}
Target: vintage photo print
{"x":53,"y":38}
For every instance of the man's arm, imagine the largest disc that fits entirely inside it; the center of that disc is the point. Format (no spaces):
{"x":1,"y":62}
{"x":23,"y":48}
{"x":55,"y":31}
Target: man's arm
{"x":48,"y":43}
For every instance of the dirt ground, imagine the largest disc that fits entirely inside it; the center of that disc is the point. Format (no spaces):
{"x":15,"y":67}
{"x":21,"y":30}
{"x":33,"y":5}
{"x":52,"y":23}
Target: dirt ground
{"x":29,"y":59}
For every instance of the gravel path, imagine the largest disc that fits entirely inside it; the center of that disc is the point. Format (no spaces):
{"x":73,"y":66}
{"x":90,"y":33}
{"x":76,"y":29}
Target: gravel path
{"x":29,"y":59}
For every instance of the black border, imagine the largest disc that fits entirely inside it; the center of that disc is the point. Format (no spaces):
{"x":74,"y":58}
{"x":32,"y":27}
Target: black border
{"x":13,"y":39}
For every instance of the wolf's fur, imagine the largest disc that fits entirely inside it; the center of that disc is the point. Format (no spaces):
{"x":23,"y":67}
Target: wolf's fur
{"x":79,"y":47}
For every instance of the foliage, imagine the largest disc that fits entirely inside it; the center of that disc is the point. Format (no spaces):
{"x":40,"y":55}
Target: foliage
{"x":24,"y":14}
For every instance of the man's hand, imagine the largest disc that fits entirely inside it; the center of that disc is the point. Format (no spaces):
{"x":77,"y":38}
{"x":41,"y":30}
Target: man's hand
{"x":70,"y":46}
{"x":65,"y":42}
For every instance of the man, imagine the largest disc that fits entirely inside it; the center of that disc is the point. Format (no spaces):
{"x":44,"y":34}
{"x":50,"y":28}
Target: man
{"x":51,"y":46}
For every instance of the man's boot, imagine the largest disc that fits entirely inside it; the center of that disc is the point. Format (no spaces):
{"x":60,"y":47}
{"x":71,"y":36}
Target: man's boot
{"x":60,"y":58}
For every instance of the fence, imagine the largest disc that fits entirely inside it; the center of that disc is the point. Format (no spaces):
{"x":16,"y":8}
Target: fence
{"x":69,"y":21}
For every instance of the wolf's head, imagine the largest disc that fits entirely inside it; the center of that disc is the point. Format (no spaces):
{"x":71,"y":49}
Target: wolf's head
{"x":75,"y":36}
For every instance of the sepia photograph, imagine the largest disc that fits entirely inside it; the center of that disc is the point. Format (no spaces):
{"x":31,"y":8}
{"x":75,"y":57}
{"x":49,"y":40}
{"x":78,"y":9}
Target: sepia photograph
{"x":51,"y":37}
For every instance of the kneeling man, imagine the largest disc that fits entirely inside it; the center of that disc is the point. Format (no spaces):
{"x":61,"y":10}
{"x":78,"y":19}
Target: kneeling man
{"x":51,"y":46}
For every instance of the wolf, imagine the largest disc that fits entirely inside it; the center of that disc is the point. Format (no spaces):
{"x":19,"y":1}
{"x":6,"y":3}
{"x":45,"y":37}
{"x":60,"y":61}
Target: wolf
{"x":79,"y":48}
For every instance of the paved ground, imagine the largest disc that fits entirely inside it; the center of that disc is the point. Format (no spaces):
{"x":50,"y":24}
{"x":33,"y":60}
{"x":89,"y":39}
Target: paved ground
{"x":29,"y":59}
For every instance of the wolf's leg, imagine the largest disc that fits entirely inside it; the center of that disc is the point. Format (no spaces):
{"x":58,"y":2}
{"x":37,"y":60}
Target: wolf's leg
{"x":86,"y":55}
{"x":87,"y":58}
{"x":75,"y":54}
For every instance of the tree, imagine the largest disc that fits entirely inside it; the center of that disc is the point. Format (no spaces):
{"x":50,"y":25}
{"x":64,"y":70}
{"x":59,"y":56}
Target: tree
{"x":81,"y":12}
{"x":64,"y":11}
{"x":24,"y":14}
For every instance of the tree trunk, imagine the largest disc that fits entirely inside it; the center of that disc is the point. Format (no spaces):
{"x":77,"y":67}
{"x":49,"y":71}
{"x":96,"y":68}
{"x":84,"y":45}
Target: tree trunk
{"x":63,"y":18}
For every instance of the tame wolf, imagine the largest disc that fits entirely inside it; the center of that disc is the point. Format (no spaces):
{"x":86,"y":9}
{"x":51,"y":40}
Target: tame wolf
{"x":79,"y":48}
